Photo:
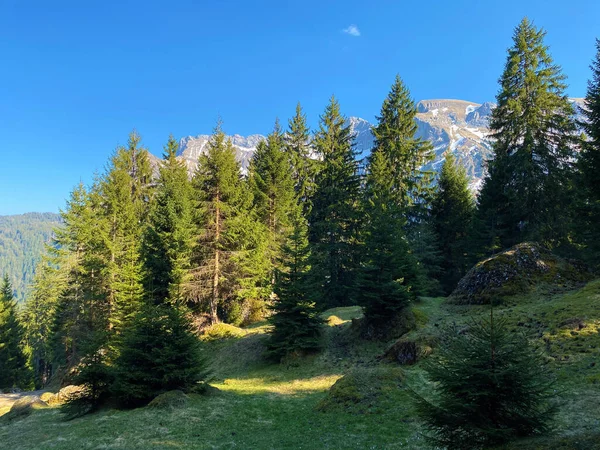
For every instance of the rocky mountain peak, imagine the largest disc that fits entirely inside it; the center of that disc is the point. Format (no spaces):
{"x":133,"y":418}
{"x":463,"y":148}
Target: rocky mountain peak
{"x":457,"y":126}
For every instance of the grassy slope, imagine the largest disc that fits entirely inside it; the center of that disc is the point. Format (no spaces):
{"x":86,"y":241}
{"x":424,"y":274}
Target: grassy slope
{"x":261,"y":405}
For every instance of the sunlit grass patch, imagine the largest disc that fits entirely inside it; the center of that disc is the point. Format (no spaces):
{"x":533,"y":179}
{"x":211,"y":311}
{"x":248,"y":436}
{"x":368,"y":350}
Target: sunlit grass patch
{"x":334,"y":321}
{"x":220,"y":331}
{"x":344,"y":314}
{"x":276,"y":385}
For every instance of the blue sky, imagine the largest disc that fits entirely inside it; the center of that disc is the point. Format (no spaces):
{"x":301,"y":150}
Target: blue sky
{"x":76,"y":77}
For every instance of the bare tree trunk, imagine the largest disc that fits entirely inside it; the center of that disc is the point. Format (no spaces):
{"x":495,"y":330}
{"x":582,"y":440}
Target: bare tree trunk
{"x":214,"y":318}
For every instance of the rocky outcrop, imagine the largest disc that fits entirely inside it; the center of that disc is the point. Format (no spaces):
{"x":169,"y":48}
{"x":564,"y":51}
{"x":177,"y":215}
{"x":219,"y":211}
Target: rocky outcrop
{"x":24,"y":406}
{"x":62,"y":396}
{"x":516,"y":271}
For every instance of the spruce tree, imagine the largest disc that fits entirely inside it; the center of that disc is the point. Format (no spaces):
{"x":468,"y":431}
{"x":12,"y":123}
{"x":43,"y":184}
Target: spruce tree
{"x":333,"y":218}
{"x":297,"y":146}
{"x":490,"y":387}
{"x":273,"y":191}
{"x":126,"y":191}
{"x":388,"y":268}
{"x":524,"y":193}
{"x":588,"y":211}
{"x":81,"y":308}
{"x":227,"y":253}
{"x":168,"y":237}
{"x":158,"y":353}
{"x":295,"y":319}
{"x":94,"y":373}
{"x":14,"y":371}
{"x":38,"y":316}
{"x":396,"y":137}
{"x":452,"y":212}
{"x":410,"y":185}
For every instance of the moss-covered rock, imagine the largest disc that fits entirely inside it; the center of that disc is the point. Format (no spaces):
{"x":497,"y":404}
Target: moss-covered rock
{"x":24,"y":407}
{"x":68,"y":392}
{"x":47,"y":397}
{"x":517,"y":271}
{"x":169,"y":400}
{"x":407,"y":351}
{"x":396,"y":327}
{"x":222,"y":331}
{"x":367,"y":391}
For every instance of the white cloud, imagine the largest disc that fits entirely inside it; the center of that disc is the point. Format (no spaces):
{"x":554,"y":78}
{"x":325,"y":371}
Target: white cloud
{"x":352,"y":30}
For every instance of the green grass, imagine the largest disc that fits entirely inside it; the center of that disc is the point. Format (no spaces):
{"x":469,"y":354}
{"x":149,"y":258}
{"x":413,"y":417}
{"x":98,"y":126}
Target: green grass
{"x":276,"y":406}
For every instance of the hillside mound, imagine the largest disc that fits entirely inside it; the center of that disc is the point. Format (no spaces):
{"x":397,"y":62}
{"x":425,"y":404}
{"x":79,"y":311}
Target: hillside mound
{"x":396,"y":326}
{"x":24,"y":407}
{"x":222,"y":331}
{"x":366,"y":391}
{"x":517,"y":271}
{"x":407,"y":351}
{"x":170,"y":400}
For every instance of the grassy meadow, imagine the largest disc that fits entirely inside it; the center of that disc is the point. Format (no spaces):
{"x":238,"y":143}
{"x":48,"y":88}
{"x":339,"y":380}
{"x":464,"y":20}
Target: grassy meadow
{"x":259,"y":405}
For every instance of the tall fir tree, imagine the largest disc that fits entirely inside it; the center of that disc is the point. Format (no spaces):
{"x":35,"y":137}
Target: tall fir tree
{"x":81,"y":308}
{"x":334,"y":215}
{"x":297,"y":146}
{"x":396,"y":137}
{"x":452,"y":212}
{"x":14,"y":371}
{"x":169,"y":234}
{"x":410,"y":184}
{"x":588,"y":211}
{"x":126,"y":191}
{"x":273,"y":192}
{"x":39,"y":312}
{"x":296,"y":322}
{"x":524,"y":193}
{"x":226,"y":256}
{"x":388,"y":267}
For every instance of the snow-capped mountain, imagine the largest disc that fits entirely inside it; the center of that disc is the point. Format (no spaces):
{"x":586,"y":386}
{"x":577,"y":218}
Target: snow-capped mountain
{"x":458,"y":126}
{"x":190,"y":148}
{"x":363,"y":138}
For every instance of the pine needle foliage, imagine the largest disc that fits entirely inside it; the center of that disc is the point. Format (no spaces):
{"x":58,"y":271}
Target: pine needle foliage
{"x":396,"y":137}
{"x":388,"y":267}
{"x":169,"y":234}
{"x":227,"y":258}
{"x":126,"y":190}
{"x":298,"y":147}
{"x":158,"y":353}
{"x":490,"y":386}
{"x":334,"y":215}
{"x":14,"y":371}
{"x":410,"y":183}
{"x":296,"y":322}
{"x":588,"y":211}
{"x":273,"y":191}
{"x":525,"y":194}
{"x":452,"y":212}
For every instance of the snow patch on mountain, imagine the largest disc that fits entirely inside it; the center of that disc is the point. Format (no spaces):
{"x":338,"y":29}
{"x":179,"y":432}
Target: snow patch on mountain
{"x":455,"y":126}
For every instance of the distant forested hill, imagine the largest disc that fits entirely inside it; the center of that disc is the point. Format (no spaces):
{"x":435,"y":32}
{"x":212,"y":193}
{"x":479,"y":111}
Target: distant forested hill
{"x":22,"y":239}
